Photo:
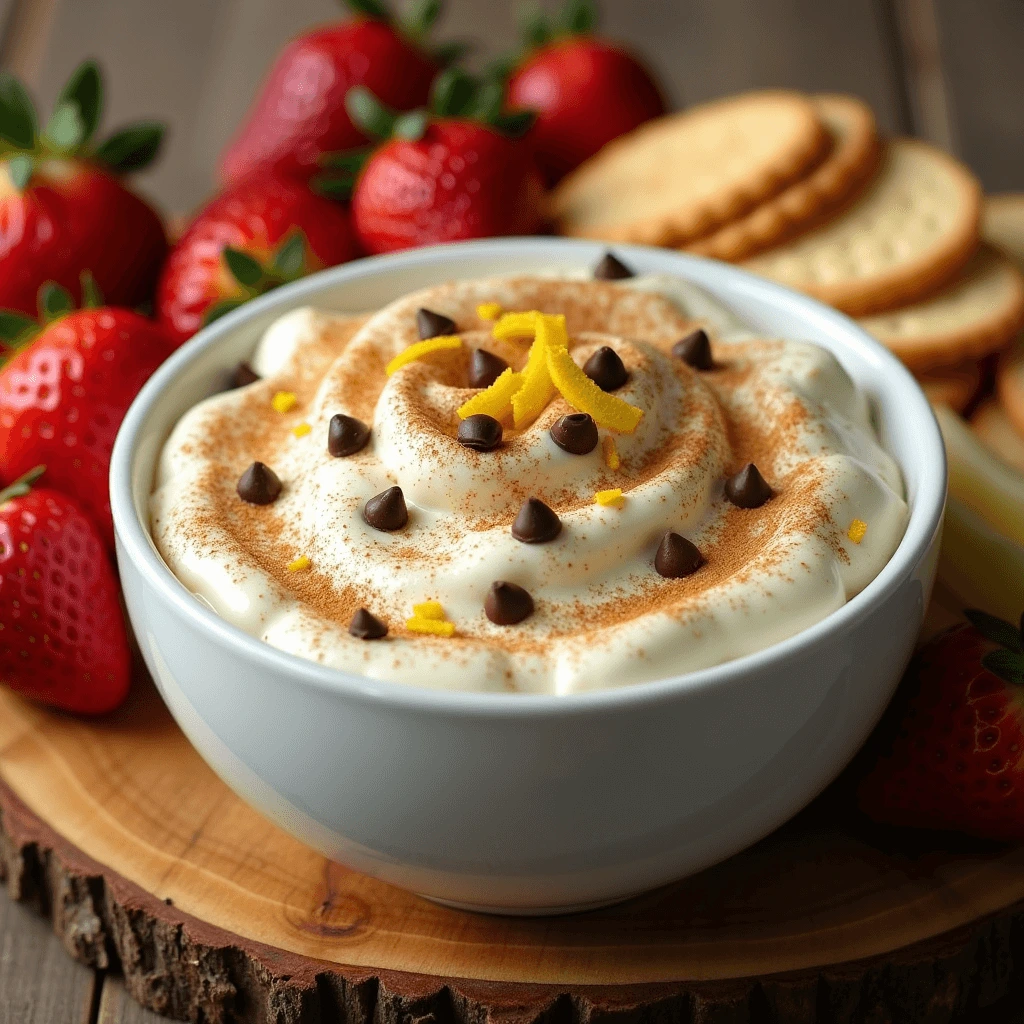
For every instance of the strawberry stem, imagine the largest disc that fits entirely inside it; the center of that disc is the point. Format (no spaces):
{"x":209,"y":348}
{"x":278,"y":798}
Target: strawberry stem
{"x":22,"y":485}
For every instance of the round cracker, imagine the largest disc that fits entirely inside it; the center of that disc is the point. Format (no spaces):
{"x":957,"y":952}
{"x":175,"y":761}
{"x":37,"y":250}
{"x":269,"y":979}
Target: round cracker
{"x":997,"y":433}
{"x":1002,"y":222}
{"x":913,"y":226}
{"x":853,"y":158}
{"x":977,"y":313}
{"x":678,"y":177}
{"x":1010,"y":383}
{"x":954,"y":386}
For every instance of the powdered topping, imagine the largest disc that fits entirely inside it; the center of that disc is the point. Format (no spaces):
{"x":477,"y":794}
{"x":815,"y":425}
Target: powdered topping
{"x":577,"y":538}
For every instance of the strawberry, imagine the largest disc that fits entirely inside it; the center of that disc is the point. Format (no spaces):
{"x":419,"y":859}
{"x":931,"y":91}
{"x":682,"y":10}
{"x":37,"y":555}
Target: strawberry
{"x":63,"y":206}
{"x":261,"y":232}
{"x":62,"y":634}
{"x":65,"y":390}
{"x":446,"y":177}
{"x":584,"y":90}
{"x":300,"y":113}
{"x":952,"y":747}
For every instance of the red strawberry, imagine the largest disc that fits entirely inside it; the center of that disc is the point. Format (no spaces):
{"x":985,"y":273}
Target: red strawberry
{"x":585,"y":91}
{"x":442,"y":178}
{"x":62,"y":635}
{"x":300,"y":113}
{"x":64,"y":393}
{"x":262,"y":232}
{"x":63,"y":208}
{"x":953,"y":743}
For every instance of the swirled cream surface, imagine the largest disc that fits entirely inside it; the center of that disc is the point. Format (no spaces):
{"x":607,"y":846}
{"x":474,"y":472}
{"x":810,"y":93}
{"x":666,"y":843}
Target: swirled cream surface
{"x":600,"y":610}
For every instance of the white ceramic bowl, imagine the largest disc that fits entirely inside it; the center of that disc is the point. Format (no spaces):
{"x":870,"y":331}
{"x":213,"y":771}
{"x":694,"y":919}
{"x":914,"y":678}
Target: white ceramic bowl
{"x":529,"y":804}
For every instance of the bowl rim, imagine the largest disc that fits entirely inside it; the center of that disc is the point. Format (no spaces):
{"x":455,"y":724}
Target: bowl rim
{"x":135,"y":543}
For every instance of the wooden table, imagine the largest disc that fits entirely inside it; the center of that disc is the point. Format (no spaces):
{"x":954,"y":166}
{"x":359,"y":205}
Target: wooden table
{"x":946,"y":70}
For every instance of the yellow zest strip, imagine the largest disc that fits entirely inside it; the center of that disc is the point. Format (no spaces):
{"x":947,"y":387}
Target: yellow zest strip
{"x":611,"y":453}
{"x":301,"y":564}
{"x":496,"y":400}
{"x":284,"y":401}
{"x":442,"y":343}
{"x":537,"y":390}
{"x":585,"y":396}
{"x":301,"y":429}
{"x":489,"y":310}
{"x":431,"y":626}
{"x":517,"y":325}
{"x":428,"y":610}
{"x":614,"y":497}
{"x":857,"y":530}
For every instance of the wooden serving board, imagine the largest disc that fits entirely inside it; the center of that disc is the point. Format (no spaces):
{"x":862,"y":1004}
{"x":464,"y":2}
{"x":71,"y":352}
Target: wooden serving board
{"x":148,"y":863}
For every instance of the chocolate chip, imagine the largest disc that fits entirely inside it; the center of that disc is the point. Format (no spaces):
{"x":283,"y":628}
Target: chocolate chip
{"x":259,"y":485}
{"x":677,"y":557}
{"x":387,"y":511}
{"x":485,"y":368}
{"x":748,"y":489}
{"x":606,"y":369}
{"x":507,"y":603}
{"x":367,"y":626}
{"x":433,"y":325}
{"x":481,"y":432}
{"x":346,"y":435}
{"x":244,"y":374}
{"x":695,"y":350}
{"x":536,"y":523}
{"x":575,"y":433}
{"x":612,"y":269}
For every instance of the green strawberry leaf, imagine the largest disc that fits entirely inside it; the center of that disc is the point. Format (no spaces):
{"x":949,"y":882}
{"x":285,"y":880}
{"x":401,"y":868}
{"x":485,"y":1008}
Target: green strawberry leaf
{"x":21,"y":167}
{"x":450,"y":51}
{"x":244,"y":268}
{"x":996,"y":630}
{"x":535,"y":27}
{"x":516,"y":124}
{"x":490,"y":98}
{"x":500,"y":69}
{"x":351,"y":160}
{"x":368,"y":114}
{"x":92,"y":297}
{"x":289,"y":261}
{"x":453,"y":93}
{"x":578,"y":17}
{"x":17,"y":115}
{"x":15,"y":328}
{"x":419,"y":17}
{"x":336,"y":185}
{"x":22,"y":485}
{"x":66,"y":130}
{"x":132,"y":148}
{"x":1005,"y":664}
{"x":221,"y":309}
{"x":369,"y":9}
{"x":54,"y":302}
{"x":411,"y":125}
{"x":83,"y":92}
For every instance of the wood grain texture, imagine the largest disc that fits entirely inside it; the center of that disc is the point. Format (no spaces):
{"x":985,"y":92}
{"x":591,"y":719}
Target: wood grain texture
{"x":116,"y":1006}
{"x":980,"y":45}
{"x":822,"y":921}
{"x":39,"y":983}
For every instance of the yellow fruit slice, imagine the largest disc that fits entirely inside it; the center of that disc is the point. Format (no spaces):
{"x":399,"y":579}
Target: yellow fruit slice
{"x":441,"y":343}
{"x":496,"y":400}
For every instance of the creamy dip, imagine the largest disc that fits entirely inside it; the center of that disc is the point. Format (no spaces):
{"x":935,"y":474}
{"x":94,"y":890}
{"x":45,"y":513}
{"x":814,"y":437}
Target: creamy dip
{"x":750,"y":564}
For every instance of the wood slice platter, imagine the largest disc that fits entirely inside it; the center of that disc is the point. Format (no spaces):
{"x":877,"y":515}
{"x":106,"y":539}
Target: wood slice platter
{"x":146,"y":862}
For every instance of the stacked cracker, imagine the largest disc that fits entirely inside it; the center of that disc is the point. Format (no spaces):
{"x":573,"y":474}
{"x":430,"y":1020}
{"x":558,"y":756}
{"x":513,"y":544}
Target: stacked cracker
{"x":801,"y":189}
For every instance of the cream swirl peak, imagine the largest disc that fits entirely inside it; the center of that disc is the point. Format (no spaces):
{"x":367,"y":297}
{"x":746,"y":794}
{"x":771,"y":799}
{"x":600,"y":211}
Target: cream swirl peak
{"x":522,"y":537}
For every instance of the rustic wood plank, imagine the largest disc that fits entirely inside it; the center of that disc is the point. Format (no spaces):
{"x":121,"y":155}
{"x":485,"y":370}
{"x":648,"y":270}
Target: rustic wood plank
{"x":118,"y":1007}
{"x":39,"y":982}
{"x":980,"y":44}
